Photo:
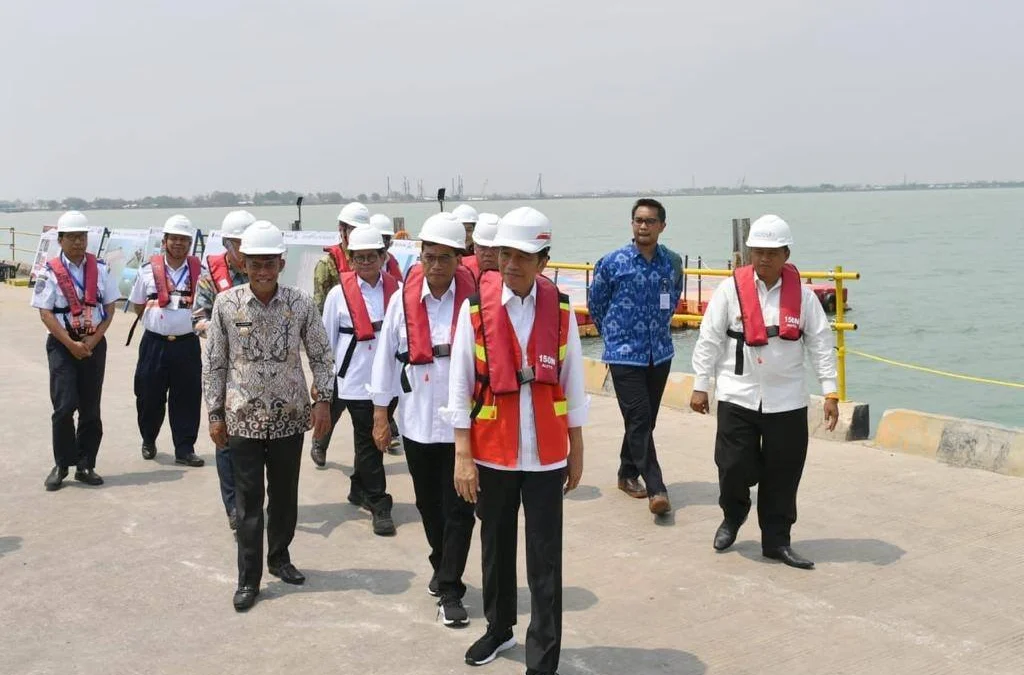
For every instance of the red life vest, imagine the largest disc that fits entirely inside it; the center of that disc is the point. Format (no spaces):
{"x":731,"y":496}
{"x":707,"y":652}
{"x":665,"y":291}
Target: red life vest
{"x":220,"y":271}
{"x":417,"y":325}
{"x":362,"y":328}
{"x":472,"y":264}
{"x":499,"y":375}
{"x":392,"y":268}
{"x":163,"y":288}
{"x":755,"y":333}
{"x":340,"y":259}
{"x":81,"y":318}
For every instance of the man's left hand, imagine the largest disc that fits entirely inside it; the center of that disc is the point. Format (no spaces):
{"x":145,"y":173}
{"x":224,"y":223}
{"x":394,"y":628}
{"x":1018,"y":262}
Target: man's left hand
{"x":321,"y":419}
{"x":831,"y":413}
{"x":574,"y":461}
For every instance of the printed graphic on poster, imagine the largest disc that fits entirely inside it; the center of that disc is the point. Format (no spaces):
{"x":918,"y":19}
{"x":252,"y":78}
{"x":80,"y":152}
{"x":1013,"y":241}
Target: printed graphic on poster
{"x":47,"y":249}
{"x":406,"y":252}
{"x":124,"y":252}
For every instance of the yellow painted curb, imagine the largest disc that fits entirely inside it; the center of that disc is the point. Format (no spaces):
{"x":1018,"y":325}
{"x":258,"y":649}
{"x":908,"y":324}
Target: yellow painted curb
{"x":678,"y":391}
{"x":911,"y":432}
{"x":594,"y":374}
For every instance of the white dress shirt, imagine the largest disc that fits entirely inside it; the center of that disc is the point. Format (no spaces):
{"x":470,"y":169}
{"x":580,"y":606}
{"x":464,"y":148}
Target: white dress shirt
{"x":773,"y":376}
{"x":521,"y":312}
{"x":353,"y":387}
{"x":47,"y":294}
{"x":419,"y":410}
{"x":169,"y":320}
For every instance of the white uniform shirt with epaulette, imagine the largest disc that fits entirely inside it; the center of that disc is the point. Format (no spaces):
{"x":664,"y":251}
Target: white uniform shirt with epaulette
{"x":169,"y":320}
{"x":47,"y":294}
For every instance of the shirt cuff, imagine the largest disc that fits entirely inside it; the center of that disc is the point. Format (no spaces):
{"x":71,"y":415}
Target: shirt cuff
{"x":217,"y":415}
{"x":381,"y":400}
{"x":701,"y":383}
{"x":829,"y":387}
{"x":457,"y":417}
{"x":577,"y":417}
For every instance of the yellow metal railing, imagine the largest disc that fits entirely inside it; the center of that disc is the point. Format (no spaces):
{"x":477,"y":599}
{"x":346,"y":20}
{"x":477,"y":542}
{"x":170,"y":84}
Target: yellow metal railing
{"x":840,"y":325}
{"x":14,"y":234}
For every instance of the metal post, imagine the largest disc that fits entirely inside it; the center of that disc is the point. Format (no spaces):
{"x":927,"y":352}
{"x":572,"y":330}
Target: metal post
{"x":700,"y":278}
{"x":587,"y":285}
{"x":686,"y":263}
{"x":12,"y":244}
{"x":840,"y":335}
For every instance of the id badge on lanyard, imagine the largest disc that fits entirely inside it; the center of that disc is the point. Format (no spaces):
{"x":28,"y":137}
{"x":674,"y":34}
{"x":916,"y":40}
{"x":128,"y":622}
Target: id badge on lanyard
{"x":664,"y":299}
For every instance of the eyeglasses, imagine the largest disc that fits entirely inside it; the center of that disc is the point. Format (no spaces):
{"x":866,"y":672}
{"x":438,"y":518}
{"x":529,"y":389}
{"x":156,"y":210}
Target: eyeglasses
{"x":429,"y":259}
{"x":365,"y":259}
{"x":649,"y":222}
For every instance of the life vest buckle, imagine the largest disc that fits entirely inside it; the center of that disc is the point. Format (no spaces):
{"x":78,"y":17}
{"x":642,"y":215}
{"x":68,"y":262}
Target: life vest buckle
{"x":442,"y":351}
{"x":525,"y":376}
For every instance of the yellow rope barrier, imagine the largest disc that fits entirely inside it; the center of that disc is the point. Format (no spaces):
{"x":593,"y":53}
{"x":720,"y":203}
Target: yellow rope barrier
{"x":933,"y":371}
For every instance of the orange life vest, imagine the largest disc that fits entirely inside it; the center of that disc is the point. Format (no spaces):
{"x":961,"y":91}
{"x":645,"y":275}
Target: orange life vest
{"x":220,"y":271}
{"x":755,"y":333}
{"x":421,"y":349}
{"x":164,"y":289}
{"x":362,"y":328}
{"x":81,"y":317}
{"x":392,"y":268}
{"x":500,"y":375}
{"x":340,"y":259}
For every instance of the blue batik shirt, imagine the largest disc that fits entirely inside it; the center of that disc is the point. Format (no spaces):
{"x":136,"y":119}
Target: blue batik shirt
{"x":626,"y":304}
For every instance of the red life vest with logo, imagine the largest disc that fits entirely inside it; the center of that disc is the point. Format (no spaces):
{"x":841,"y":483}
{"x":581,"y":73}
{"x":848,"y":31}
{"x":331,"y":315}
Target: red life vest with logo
{"x":362,"y":327}
{"x":81,"y":317}
{"x":163,"y":285}
{"x":755,"y":333}
{"x":417,"y":324}
{"x":500,"y":375}
{"x":220,"y":271}
{"x":472,"y":264}
{"x":340,"y":259}
{"x":392,"y":268}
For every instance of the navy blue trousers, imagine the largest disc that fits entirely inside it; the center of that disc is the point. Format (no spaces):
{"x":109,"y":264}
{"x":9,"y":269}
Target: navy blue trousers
{"x":168,"y":379}
{"x":76,"y":386}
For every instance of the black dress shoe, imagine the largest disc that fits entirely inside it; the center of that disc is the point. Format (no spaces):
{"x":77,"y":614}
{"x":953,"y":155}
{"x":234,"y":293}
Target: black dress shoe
{"x":233,"y":519}
{"x":288,"y":574}
{"x":148,"y":450}
{"x":633,"y":487}
{"x":788,"y":556}
{"x":56,"y":478}
{"x":88,"y":476}
{"x":725,"y":536}
{"x":191,"y":459}
{"x":245,"y":598}
{"x":318,"y":454}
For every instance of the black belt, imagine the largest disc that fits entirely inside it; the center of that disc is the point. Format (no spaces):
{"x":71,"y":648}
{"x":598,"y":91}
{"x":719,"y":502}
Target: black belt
{"x":171,"y":338}
{"x":438,"y":351}
{"x":770,"y":331}
{"x":346,"y":330}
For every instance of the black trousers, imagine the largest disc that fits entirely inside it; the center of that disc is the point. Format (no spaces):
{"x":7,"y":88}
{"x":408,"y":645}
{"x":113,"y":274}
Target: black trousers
{"x":540,"y":493}
{"x":76,"y":386}
{"x":639,"y":390}
{"x":226,"y":478}
{"x":447,"y":518}
{"x":769,"y":449}
{"x":168,"y":377}
{"x":280,"y":459}
{"x":368,"y":464}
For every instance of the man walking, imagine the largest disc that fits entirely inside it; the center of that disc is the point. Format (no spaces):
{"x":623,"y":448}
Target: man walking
{"x":327,"y":273}
{"x":753,"y":337}
{"x":485,"y":254}
{"x":167,"y":376}
{"x":258,"y":405}
{"x":632,"y":299}
{"x":79,"y":289}
{"x":517,"y":402}
{"x":223,"y":271}
{"x":413,"y":358}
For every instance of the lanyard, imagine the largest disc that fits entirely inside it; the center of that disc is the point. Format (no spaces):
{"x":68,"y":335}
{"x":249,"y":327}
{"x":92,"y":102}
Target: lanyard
{"x":71,"y":271}
{"x":181,"y":276}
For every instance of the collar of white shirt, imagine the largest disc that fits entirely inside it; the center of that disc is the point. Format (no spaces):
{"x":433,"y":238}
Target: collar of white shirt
{"x":778,"y":282}
{"x":364,"y":284}
{"x":507,"y":294}
{"x":425,"y":291}
{"x":67,"y":262}
{"x":167,"y":264}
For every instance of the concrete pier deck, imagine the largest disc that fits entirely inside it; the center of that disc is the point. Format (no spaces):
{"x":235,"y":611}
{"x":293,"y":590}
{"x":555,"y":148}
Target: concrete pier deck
{"x":920,"y":566}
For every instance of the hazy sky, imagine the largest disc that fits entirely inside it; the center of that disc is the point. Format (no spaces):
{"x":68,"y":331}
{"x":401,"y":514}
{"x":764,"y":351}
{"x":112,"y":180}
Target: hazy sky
{"x":128,"y":98}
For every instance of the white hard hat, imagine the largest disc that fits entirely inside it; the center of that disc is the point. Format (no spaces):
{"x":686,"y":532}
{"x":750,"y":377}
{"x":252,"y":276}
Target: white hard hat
{"x":486,"y":228}
{"x":365,"y":239}
{"x":769,"y":232}
{"x":72,"y":221}
{"x":446,"y":229}
{"x":179,"y":224}
{"x":525,"y":228}
{"x":354,"y":214}
{"x":234,"y":224}
{"x":262,"y":238}
{"x":465,"y":213}
{"x":383,"y":224}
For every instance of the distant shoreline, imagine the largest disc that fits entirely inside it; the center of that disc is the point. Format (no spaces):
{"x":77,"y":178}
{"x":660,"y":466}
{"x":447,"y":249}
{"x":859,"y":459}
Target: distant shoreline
{"x":274,"y":198}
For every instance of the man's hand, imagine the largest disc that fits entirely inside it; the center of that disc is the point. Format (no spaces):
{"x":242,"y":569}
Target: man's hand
{"x":699,"y":402}
{"x":219,"y":434}
{"x":831,"y":413}
{"x":321,"y":419}
{"x":381,"y":428}
{"x":80,"y":350}
{"x":467,"y":477}
{"x":575,"y":460}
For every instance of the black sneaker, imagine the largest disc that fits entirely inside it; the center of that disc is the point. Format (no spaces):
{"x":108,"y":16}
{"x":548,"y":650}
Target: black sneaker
{"x":434,"y":587}
{"x":56,"y":478}
{"x":487,"y":648}
{"x":383,"y":525}
{"x":452,"y":612}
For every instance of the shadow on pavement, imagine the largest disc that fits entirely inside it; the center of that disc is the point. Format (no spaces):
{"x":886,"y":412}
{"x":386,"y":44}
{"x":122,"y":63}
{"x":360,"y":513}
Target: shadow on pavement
{"x":9,"y":545}
{"x":375,"y":581}
{"x":600,"y":660}
{"x":323,"y":519}
{"x":584,"y":493}
{"x":874,"y":551}
{"x":143,"y":477}
{"x":574,"y":598}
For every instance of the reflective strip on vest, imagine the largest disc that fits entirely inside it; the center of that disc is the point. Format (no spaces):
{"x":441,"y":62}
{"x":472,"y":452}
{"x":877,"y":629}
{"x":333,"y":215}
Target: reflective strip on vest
{"x":481,"y":352}
{"x":487,"y":412}
{"x":561,"y":408}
